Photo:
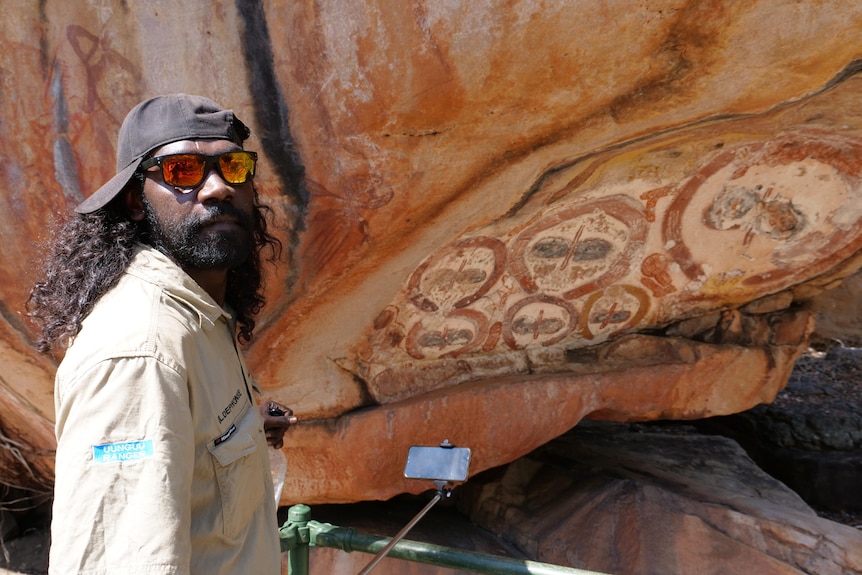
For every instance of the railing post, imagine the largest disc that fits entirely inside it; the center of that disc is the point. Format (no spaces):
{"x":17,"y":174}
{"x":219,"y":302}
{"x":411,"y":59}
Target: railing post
{"x":295,"y":539}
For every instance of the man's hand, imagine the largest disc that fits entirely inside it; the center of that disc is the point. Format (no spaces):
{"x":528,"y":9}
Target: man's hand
{"x":276,"y":419}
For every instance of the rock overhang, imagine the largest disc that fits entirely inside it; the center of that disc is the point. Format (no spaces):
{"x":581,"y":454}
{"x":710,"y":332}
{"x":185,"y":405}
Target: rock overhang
{"x":662,"y":279}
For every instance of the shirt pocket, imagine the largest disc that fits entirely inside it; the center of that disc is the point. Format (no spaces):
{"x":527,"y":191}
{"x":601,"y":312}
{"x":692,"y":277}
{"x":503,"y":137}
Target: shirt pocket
{"x":238,"y":472}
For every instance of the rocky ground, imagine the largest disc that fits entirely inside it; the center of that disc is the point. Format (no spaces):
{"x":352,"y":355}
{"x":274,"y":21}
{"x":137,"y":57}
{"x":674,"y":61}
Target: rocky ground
{"x":819,"y":413}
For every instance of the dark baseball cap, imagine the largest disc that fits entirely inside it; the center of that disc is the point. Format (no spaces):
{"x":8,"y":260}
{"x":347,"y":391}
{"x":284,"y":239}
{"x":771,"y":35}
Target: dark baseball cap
{"x":159,"y":121}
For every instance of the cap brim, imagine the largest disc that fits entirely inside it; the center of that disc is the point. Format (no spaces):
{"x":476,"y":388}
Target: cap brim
{"x":101,"y":197}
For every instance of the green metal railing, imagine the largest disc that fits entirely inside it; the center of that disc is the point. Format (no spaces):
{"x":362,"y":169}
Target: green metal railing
{"x":300,"y":532}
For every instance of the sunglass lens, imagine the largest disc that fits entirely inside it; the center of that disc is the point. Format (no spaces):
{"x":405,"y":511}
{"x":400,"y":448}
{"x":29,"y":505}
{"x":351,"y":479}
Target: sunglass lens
{"x":237,"y":167}
{"x":182,"y":170}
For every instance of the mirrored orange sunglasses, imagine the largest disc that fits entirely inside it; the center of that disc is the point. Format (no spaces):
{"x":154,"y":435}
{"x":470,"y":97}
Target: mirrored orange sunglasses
{"x":189,"y":170}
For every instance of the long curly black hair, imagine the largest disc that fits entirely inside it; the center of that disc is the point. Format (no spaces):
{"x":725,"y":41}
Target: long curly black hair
{"x":90,"y":252}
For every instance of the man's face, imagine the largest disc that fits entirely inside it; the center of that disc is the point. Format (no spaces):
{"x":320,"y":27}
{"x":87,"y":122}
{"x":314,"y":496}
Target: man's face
{"x":208,"y":227}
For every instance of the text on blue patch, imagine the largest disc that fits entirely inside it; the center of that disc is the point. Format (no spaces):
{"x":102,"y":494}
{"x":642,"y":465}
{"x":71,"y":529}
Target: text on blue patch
{"x":124,"y":451}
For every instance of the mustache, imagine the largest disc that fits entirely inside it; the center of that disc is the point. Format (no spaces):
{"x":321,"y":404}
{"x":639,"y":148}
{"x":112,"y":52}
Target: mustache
{"x":223,"y":210}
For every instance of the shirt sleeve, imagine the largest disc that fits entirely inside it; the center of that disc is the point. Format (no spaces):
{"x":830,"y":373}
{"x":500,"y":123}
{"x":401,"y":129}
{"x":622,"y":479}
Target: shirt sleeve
{"x":125,"y":456}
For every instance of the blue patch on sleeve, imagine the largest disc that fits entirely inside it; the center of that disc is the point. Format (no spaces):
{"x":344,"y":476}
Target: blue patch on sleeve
{"x":124,"y":451}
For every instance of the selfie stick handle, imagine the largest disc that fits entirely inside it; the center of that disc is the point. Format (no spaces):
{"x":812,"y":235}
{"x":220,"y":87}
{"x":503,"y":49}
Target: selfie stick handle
{"x":379,"y":557}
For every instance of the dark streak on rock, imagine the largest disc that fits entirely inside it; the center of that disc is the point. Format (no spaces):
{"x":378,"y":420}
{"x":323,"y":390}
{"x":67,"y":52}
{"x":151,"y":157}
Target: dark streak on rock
{"x":849,"y":70}
{"x":270,"y":108}
{"x":16,"y":322}
{"x":43,"y":40}
{"x":65,"y":161}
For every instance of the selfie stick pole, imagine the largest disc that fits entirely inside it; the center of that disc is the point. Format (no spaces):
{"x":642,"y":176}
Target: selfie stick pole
{"x":441,"y":491}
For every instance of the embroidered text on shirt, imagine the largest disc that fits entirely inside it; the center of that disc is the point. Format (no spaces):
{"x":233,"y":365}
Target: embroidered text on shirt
{"x":226,"y":411}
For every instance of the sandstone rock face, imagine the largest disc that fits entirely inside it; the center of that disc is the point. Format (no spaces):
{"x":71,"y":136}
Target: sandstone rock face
{"x":500,"y":220}
{"x":619,"y":501}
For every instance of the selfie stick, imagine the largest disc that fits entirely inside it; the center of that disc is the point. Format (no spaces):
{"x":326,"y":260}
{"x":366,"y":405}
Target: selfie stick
{"x":441,"y":491}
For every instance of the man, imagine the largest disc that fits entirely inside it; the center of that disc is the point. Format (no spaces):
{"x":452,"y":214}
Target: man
{"x":161,"y":450}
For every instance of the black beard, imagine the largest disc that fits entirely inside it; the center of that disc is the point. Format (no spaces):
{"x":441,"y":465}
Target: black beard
{"x":193,"y":246}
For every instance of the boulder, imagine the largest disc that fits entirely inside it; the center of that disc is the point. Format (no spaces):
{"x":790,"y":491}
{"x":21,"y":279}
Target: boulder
{"x":637,"y":499}
{"x":636,"y":377}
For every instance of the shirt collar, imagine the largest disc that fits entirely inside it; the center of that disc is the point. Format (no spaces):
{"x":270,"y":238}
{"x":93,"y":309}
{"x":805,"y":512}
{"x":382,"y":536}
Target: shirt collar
{"x":151,"y":265}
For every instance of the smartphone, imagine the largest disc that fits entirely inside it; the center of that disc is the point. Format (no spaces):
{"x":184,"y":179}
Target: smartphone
{"x":445,"y":463}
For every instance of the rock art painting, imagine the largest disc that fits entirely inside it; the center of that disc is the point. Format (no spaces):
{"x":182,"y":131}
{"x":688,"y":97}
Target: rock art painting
{"x":751,"y":218}
{"x":766,"y":214}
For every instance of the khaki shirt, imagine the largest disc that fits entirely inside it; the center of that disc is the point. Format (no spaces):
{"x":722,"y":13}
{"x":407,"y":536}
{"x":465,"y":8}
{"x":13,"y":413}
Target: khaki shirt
{"x":161,"y":455}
